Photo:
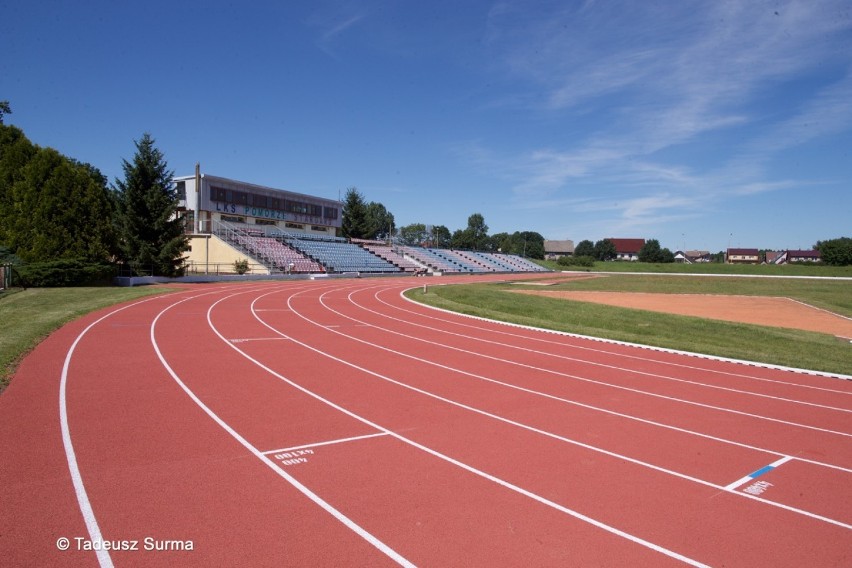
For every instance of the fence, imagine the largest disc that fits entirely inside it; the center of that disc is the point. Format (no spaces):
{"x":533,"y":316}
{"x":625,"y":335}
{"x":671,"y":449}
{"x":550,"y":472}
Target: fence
{"x":5,"y":276}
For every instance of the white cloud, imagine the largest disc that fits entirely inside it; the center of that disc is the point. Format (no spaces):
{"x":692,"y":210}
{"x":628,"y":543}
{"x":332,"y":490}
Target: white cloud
{"x":671,"y":101}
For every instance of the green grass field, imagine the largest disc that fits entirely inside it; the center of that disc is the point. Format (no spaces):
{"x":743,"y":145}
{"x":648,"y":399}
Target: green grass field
{"x":712,"y":268}
{"x":28,"y":316}
{"x":777,"y":346}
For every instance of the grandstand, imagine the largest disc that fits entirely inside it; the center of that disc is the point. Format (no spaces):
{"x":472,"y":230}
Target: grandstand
{"x":283,"y":232}
{"x":294,"y":253}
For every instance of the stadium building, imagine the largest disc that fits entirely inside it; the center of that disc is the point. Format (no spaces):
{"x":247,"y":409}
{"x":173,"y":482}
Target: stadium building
{"x":278,"y":231}
{"x":217,"y":210}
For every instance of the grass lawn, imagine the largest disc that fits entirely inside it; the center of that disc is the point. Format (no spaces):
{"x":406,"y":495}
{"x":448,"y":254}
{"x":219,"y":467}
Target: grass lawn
{"x":777,"y":346}
{"x":710,"y":268}
{"x":28,"y":316}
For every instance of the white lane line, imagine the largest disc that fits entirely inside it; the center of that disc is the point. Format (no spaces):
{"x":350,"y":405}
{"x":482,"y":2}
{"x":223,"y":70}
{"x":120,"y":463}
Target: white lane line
{"x":758,"y":473}
{"x":532,"y":428}
{"x":328,"y":443}
{"x":466,"y":467}
{"x":247,"y":339}
{"x":639,"y":346}
{"x":103,"y":556}
{"x":346,"y":521}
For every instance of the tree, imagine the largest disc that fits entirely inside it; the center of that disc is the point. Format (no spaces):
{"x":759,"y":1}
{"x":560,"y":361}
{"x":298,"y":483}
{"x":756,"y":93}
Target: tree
{"x":414,"y":234}
{"x":51,"y":206}
{"x":530,"y":243}
{"x":478,"y":231}
{"x":461,"y":239}
{"x":585,"y":248}
{"x":356,"y":222}
{"x":381,"y":221}
{"x":151,"y":234}
{"x":604,"y":250}
{"x":441,"y":236}
{"x":651,"y":251}
{"x":836,"y":252}
{"x":4,"y":109}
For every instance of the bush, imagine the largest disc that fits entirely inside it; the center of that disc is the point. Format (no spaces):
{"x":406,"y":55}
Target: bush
{"x":241,"y":266}
{"x":67,"y":272}
{"x":585,"y":261}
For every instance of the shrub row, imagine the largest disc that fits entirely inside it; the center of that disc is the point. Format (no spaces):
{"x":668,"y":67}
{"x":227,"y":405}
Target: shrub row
{"x":66,"y":272}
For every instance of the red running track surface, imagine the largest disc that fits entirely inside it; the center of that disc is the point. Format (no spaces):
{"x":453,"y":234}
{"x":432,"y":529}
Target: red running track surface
{"x":335,"y":423}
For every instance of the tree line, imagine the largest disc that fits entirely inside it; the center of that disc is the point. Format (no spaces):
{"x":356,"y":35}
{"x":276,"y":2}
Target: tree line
{"x":363,"y":220}
{"x":56,"y":210}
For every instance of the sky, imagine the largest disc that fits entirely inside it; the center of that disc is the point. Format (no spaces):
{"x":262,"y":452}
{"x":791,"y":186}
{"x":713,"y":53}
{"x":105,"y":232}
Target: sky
{"x":705,"y":125}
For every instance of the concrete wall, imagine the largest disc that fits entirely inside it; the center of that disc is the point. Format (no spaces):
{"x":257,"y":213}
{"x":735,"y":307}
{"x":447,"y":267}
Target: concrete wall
{"x":218,"y":256}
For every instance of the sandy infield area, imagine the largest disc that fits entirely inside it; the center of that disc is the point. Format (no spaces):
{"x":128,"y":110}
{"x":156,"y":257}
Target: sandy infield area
{"x":760,"y":310}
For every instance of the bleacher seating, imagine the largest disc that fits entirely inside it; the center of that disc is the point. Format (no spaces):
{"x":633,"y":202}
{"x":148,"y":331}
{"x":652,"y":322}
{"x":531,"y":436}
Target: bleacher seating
{"x":339,"y":256}
{"x":389,"y":254}
{"x":302,"y":252}
{"x":430,"y":258}
{"x":275,"y":255}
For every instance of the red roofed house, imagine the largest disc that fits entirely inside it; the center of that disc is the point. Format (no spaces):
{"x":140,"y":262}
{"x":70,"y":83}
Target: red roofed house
{"x":627,"y":249}
{"x":803,"y":256}
{"x":743,"y":256}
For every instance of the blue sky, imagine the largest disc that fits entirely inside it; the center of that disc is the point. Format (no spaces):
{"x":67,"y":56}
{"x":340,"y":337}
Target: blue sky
{"x":702,"y":124}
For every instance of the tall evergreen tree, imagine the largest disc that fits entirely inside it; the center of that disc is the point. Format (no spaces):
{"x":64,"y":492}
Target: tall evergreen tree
{"x":151,"y":235}
{"x":356,"y":221}
{"x":381,"y":220}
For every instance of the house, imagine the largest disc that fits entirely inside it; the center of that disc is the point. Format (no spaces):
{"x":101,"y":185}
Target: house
{"x":693,"y":256}
{"x":775,"y":257}
{"x":627,"y":249}
{"x":803,"y":256}
{"x":742,"y":256}
{"x":553,"y":250}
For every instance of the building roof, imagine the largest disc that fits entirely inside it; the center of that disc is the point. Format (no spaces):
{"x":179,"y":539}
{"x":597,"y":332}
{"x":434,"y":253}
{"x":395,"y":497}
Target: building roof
{"x":628,"y":246}
{"x":803,"y":254}
{"x":565,"y":247}
{"x":744,"y":252}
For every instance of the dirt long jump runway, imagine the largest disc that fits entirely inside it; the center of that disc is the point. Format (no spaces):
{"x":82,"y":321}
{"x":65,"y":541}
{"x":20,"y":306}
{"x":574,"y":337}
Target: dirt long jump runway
{"x":337,"y":424}
{"x":761,"y":310}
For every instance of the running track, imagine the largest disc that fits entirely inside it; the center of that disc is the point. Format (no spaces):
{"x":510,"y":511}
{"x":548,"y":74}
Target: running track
{"x":334,"y":423}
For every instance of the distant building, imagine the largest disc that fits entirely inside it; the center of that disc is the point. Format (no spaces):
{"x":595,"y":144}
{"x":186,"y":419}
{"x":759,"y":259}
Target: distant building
{"x":803,"y":256}
{"x":693,"y":256}
{"x":775,"y":257}
{"x":742,"y":256}
{"x":627,"y":249}
{"x":553,"y":250}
